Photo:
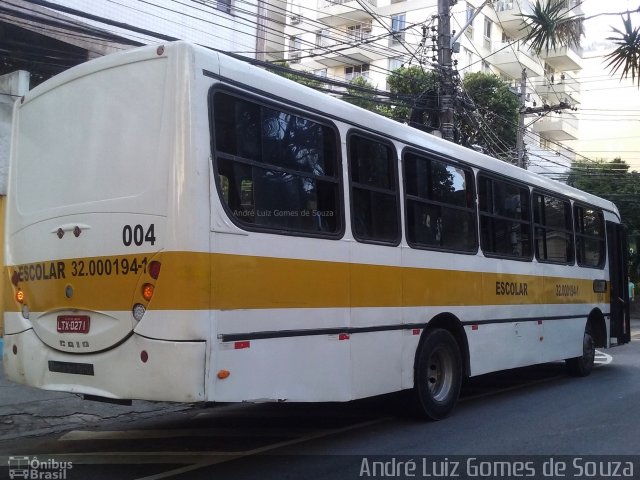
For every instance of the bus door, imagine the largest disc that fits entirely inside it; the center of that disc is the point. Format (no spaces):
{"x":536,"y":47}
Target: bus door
{"x":618,"y":281}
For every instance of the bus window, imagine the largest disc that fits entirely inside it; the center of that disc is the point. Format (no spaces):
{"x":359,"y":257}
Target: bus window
{"x":505,"y":223}
{"x":553,"y":230}
{"x":440,"y":205}
{"x":590,"y":244}
{"x":374,"y":191}
{"x":276,"y":170}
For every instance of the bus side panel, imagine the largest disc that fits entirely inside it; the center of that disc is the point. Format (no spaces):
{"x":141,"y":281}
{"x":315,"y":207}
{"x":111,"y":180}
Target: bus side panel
{"x":501,"y":346}
{"x":563,"y":338}
{"x":374,"y":373}
{"x":310,"y":368}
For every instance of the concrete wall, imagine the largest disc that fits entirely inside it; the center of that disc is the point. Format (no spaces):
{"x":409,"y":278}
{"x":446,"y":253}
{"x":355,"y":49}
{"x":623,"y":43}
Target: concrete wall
{"x":12,"y":87}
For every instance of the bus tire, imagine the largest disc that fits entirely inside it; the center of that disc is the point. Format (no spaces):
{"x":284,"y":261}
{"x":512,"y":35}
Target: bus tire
{"x":438,"y":375}
{"x":581,"y":366}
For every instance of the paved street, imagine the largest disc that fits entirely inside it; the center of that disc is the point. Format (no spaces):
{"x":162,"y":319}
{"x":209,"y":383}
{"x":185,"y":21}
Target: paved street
{"x":533,"y":411}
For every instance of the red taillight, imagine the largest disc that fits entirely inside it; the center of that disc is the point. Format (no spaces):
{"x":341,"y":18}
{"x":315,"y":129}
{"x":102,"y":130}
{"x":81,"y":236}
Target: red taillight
{"x":154,"y":269}
{"x":15,"y":278}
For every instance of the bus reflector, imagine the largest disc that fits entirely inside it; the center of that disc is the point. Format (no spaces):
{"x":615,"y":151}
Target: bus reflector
{"x":20,"y":296}
{"x":138,"y":311}
{"x":240,"y":345}
{"x":154,"y":269}
{"x":222,"y":374}
{"x":15,"y":278}
{"x":144,"y":356}
{"x":343,"y":336}
{"x":147,"y":291}
{"x":474,"y":327}
{"x":416,"y":331}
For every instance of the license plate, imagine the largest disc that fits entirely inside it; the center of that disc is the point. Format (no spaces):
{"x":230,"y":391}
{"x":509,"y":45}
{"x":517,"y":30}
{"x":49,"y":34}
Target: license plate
{"x":73,"y":324}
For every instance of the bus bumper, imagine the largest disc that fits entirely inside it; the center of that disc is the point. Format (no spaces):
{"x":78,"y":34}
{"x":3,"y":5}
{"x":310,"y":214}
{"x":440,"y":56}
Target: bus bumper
{"x":173,"y":371}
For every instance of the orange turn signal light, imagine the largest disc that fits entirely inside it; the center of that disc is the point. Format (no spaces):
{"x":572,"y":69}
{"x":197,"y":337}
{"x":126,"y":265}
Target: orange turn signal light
{"x":147,"y":291}
{"x":222,"y":374}
{"x":20,"y":296}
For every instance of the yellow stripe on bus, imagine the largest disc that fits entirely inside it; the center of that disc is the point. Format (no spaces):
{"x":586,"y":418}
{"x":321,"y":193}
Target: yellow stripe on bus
{"x":201,"y":281}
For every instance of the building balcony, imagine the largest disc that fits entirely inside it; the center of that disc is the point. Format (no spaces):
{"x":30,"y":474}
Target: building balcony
{"x":350,"y":56}
{"x":563,"y":58}
{"x":563,"y":89}
{"x":508,"y":15}
{"x":512,"y":59}
{"x":557,"y":127}
{"x":339,"y":12}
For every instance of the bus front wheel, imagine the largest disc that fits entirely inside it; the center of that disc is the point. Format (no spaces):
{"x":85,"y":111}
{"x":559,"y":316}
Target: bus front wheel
{"x":438,"y":375}
{"x":582,"y":366}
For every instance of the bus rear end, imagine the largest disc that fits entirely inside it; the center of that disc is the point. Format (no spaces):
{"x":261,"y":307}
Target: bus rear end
{"x":90,"y":188}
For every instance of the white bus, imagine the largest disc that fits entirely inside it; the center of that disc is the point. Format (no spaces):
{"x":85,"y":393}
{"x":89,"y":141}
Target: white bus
{"x":183,"y":226}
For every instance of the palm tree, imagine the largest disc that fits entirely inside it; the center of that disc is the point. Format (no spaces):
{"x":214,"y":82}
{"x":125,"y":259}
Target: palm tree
{"x":551,"y":25}
{"x":626,"y":56}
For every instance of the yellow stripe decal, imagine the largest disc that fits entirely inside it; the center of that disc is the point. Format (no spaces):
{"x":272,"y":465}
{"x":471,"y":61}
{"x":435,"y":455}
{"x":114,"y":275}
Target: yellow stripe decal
{"x":201,"y":281}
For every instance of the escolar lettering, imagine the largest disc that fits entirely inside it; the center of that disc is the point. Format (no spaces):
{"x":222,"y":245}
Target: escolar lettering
{"x":41,"y":271}
{"x":512,"y":288}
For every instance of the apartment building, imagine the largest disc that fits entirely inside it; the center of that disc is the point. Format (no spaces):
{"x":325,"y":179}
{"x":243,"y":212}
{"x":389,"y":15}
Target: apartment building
{"x":343,"y":39}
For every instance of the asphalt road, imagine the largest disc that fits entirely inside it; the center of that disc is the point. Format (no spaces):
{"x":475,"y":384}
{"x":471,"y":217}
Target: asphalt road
{"x":538,"y":414}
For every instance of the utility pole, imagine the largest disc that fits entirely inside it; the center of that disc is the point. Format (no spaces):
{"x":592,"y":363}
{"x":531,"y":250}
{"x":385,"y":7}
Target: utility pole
{"x":261,"y":32}
{"x":446,"y":70}
{"x":520,"y":137}
{"x":524,"y":110}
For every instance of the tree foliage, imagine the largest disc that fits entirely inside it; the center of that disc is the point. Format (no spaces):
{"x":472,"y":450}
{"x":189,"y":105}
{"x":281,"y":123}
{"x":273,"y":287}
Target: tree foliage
{"x":494,"y":123}
{"x":626,"y":56}
{"x":285,"y":70}
{"x":551,"y":25}
{"x":361,"y":93}
{"x":613,"y":181}
{"x":415,"y":91}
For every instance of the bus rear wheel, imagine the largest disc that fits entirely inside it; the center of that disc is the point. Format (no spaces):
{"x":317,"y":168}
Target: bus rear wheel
{"x":582,"y":366}
{"x":438,"y":375}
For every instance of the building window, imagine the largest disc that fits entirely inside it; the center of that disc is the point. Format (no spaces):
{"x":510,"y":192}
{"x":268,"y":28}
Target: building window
{"x":395,"y":63}
{"x":276,"y":170}
{"x":440,"y":205}
{"x":359,"y":32}
{"x":590,"y":244}
{"x":398,"y":24}
{"x":375,"y":212}
{"x":488,"y":24}
{"x":356,"y":71}
{"x":553,"y":230}
{"x":223,"y":5}
{"x":322,"y":38}
{"x":470,"y":11}
{"x":505,"y":218}
{"x":295,"y":46}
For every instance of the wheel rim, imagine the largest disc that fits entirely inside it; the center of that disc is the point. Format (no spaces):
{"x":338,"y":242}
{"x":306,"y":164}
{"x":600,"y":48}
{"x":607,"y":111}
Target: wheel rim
{"x":440,"y":374}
